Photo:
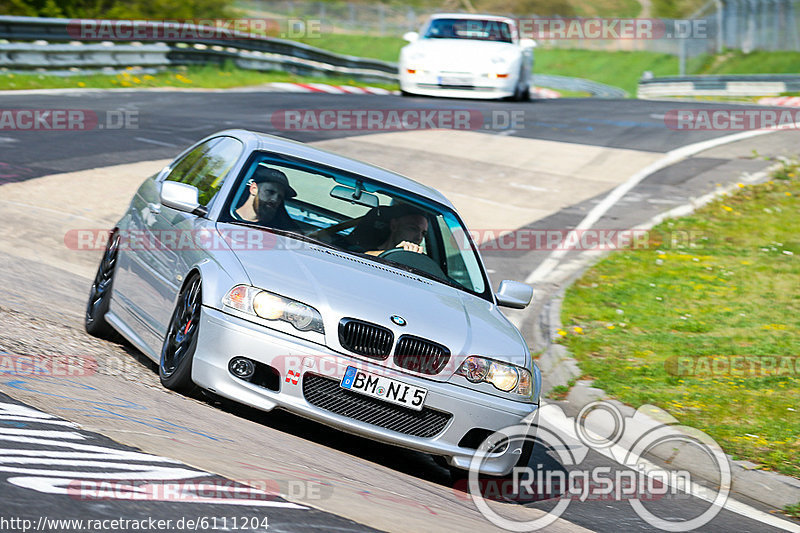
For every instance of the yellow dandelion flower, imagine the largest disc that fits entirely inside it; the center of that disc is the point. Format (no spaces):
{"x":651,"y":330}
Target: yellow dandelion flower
{"x":81,"y":84}
{"x":578,"y":330}
{"x":610,"y":327}
{"x":726,"y":208}
{"x":562,"y":333}
{"x":788,"y":194}
{"x":740,"y":185}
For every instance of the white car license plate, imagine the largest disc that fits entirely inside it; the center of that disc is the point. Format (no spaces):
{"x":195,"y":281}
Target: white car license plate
{"x":383,"y":388}
{"x":454,"y":80}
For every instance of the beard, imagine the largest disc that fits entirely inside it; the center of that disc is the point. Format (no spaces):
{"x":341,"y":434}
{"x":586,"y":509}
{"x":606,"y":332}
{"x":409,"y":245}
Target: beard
{"x":264,"y":211}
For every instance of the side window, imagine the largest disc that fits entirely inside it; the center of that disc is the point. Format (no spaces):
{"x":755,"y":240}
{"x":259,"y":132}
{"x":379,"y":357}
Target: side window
{"x":462,"y":264}
{"x":207,"y":165}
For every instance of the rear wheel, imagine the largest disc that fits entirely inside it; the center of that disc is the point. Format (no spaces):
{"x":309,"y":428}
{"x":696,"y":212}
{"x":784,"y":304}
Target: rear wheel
{"x":175,"y":367}
{"x":525,"y":96}
{"x":100,"y":293}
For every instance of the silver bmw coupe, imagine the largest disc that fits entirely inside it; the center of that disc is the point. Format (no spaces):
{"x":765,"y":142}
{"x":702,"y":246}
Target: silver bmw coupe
{"x":283,"y":276}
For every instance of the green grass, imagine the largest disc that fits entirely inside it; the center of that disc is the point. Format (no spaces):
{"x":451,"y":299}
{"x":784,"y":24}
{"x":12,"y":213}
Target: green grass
{"x":753,"y":63}
{"x":619,"y":69}
{"x":632,"y":317}
{"x":793,"y":510}
{"x":608,"y":8}
{"x":198,"y":77}
{"x":384,"y":48}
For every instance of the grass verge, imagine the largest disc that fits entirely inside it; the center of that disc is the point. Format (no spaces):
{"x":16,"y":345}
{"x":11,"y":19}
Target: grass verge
{"x":793,"y":510}
{"x":208,"y":77}
{"x":704,"y":322}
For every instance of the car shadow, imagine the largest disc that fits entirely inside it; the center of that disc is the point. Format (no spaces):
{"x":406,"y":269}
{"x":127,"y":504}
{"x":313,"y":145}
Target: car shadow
{"x":417,"y":464}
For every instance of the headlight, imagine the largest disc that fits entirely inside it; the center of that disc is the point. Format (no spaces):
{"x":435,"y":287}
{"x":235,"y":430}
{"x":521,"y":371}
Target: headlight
{"x":271,"y":306}
{"x":505,"y":377}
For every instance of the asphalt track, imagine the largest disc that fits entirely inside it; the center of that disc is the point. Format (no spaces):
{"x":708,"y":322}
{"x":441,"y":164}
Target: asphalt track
{"x":169,"y":121}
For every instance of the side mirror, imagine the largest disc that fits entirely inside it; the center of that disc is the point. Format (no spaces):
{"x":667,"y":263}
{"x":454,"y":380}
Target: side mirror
{"x":182,"y":197}
{"x":411,"y":36}
{"x":514,"y":294}
{"x":527,"y":44}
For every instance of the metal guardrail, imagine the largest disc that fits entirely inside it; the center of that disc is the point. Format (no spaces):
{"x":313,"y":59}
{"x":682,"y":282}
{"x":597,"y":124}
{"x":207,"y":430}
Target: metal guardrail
{"x":578,"y":84}
{"x":720,"y":85}
{"x":41,"y":55}
{"x":247,"y":50}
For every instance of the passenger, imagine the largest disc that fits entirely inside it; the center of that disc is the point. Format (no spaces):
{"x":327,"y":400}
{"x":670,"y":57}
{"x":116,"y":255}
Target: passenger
{"x":268,"y":189}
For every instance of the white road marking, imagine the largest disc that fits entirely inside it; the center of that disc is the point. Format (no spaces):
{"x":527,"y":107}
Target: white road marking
{"x":530,"y":187}
{"x":55,"y":471}
{"x":698,"y":491}
{"x":38,"y":421}
{"x":152,"y":141}
{"x":45,"y":433}
{"x":672,"y":157}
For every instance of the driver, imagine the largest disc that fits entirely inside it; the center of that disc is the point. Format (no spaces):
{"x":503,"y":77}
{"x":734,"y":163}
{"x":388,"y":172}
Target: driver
{"x":406,"y":231}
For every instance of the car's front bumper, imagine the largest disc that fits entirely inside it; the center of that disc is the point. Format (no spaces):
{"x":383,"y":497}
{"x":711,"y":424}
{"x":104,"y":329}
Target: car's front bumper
{"x":223,"y":336}
{"x":429,"y":83}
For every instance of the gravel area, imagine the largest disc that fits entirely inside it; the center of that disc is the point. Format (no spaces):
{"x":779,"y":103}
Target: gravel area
{"x":30,"y":345}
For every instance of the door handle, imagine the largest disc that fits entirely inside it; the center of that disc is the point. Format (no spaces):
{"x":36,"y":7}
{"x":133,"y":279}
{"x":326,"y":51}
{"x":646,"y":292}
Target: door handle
{"x":154,"y":208}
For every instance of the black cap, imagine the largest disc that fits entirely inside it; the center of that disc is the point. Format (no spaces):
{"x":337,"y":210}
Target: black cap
{"x":263,"y":174}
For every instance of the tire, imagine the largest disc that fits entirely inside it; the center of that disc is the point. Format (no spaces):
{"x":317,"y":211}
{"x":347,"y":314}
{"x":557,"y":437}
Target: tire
{"x":517,"y":96}
{"x":180,"y":343}
{"x":100,"y":293}
{"x":526,"y":94}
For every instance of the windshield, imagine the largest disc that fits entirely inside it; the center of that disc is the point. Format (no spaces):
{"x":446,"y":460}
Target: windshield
{"x":481,"y":30}
{"x":356,"y":215}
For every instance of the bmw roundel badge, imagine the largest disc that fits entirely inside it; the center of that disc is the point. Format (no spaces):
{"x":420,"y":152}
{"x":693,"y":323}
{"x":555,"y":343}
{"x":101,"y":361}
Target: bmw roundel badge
{"x":400,"y":321}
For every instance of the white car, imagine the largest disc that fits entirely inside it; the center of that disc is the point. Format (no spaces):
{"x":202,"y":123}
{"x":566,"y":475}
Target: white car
{"x":474,"y":56}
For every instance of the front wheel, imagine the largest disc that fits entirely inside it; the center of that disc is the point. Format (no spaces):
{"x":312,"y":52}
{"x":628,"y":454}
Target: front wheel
{"x":175,"y":367}
{"x":100,"y":293}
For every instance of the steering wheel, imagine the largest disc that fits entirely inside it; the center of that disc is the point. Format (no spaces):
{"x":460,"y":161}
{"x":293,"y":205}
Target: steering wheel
{"x":414,"y":260}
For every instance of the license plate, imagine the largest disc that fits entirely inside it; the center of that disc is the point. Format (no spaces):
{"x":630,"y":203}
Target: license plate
{"x":383,"y":388}
{"x":453,"y":80}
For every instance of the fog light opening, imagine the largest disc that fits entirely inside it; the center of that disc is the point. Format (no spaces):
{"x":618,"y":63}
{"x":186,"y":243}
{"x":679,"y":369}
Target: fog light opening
{"x":242,"y":368}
